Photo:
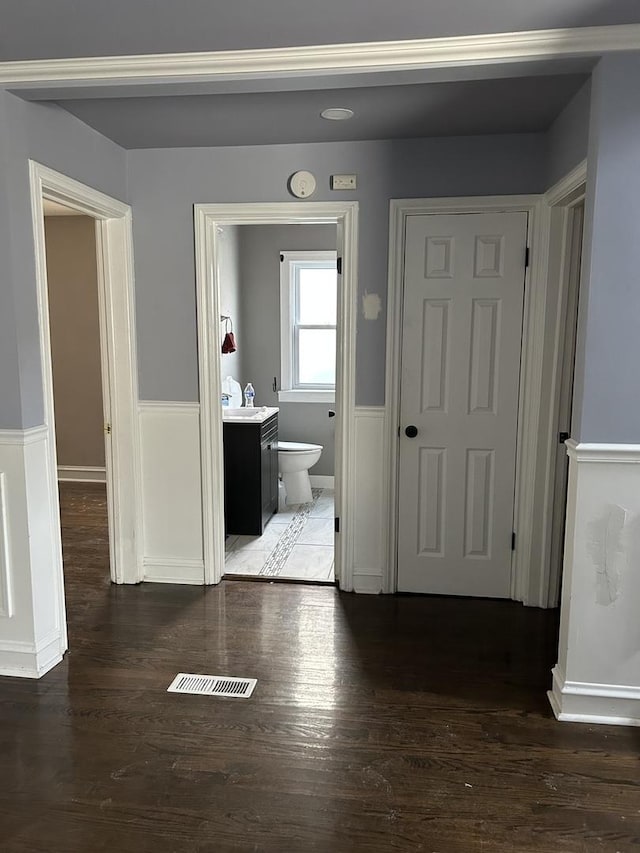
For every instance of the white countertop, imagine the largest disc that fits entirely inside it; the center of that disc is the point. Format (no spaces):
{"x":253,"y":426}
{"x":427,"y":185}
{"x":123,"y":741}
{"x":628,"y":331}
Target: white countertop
{"x":255,"y":415}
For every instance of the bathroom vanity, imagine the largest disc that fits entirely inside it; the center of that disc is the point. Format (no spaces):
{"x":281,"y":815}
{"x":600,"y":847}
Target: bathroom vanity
{"x":250,"y":469}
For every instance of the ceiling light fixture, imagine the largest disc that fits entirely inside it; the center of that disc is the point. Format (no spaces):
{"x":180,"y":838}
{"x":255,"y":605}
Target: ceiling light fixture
{"x":337,"y":113}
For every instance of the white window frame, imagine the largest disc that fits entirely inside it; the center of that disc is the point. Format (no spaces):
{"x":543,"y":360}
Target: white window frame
{"x":290,"y":392}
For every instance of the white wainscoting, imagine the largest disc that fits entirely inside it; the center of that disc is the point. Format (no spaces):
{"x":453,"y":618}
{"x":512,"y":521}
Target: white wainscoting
{"x":171,"y":492}
{"x":321,"y":481}
{"x":597,"y":678}
{"x":370,"y":513}
{"x":32,"y":625}
{"x":172,"y":498}
{"x":79,"y":474}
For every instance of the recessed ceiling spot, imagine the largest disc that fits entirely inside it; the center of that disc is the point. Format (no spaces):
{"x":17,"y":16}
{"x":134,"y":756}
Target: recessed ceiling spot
{"x":337,"y":113}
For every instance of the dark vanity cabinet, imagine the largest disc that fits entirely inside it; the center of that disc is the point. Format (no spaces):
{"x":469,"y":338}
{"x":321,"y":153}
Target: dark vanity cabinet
{"x":250,"y":475}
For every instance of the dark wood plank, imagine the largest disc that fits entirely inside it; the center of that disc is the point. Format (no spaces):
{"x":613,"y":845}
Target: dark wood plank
{"x":378,"y":724}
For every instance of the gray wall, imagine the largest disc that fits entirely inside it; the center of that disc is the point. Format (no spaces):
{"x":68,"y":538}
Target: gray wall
{"x":56,"y":139}
{"x":228,"y":244}
{"x":72,"y":275}
{"x":607,"y":402}
{"x":43,"y":29}
{"x":163,"y":226}
{"x":260,"y":251}
{"x":568,"y":136}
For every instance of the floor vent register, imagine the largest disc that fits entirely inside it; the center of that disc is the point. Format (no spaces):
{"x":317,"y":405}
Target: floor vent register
{"x":213,"y":685}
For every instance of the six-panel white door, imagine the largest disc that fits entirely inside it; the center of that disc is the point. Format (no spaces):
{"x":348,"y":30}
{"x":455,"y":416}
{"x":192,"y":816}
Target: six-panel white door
{"x":461,"y":343}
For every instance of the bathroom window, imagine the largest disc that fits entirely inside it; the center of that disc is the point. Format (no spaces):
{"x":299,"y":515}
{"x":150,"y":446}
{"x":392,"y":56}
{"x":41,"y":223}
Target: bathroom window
{"x":308,"y":309}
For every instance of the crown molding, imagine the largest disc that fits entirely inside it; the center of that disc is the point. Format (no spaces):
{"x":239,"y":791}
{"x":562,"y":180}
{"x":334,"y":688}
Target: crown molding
{"x":407,"y":54}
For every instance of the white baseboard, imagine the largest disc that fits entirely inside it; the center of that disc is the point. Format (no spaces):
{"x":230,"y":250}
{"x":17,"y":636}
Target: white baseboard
{"x":368,"y":583}
{"x":603,"y":704}
{"x":27,"y":660}
{"x":166,"y":570}
{"x":318,"y":481}
{"x":79,"y":474}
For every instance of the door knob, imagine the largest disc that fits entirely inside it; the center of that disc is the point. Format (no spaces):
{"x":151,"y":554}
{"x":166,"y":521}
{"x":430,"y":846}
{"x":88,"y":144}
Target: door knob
{"x":411,"y":431}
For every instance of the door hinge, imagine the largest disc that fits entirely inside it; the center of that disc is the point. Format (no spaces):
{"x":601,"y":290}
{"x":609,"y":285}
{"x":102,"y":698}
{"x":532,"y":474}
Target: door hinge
{"x":562,"y":437}
{"x":336,"y":525}
{"x":526,"y":257}
{"x":339,"y":266}
{"x":281,"y":258}
{"x":513,"y":540}
{"x":107,"y":429}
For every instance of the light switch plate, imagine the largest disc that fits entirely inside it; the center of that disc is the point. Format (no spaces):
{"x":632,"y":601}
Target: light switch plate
{"x":343,"y":182}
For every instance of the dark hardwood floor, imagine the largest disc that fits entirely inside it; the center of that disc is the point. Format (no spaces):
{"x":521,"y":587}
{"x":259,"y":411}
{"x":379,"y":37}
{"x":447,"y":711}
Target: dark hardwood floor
{"x":378,"y":724}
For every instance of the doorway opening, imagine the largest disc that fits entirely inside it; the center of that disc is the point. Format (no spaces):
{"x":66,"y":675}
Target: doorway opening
{"x":79,"y":392}
{"x":280,"y":469}
{"x":279,"y":299}
{"x":113,"y":354}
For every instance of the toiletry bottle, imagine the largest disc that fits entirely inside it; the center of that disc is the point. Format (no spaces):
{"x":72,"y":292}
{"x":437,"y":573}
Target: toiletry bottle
{"x":249,"y":395}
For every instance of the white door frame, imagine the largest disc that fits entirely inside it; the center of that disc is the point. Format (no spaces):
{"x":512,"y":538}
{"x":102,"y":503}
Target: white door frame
{"x":118,"y":362}
{"x":561,"y":199}
{"x":533,"y":452}
{"x":207,"y":217}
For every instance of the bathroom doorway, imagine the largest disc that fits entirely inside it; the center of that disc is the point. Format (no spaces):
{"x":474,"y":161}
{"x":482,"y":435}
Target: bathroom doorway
{"x":277,"y":284}
{"x":279,"y":299}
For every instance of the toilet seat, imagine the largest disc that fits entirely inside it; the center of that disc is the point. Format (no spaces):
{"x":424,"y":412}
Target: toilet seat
{"x":297,"y":447}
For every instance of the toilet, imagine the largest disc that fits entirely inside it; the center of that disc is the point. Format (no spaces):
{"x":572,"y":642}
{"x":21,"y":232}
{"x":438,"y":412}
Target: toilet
{"x":294,"y":461}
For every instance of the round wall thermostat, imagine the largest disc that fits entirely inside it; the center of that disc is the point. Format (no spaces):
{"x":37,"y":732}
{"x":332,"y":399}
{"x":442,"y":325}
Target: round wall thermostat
{"x":302,"y":184}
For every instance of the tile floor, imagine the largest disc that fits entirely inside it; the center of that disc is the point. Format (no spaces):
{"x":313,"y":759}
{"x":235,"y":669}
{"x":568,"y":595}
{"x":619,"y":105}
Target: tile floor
{"x":297,"y":544}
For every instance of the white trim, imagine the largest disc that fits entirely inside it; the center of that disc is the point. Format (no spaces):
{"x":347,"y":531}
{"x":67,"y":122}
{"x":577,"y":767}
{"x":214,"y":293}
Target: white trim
{"x":322,"y":481}
{"x":447,"y":52}
{"x":345,"y":214}
{"x":370,"y":411}
{"x":599,"y":704}
{"x":168,"y":407}
{"x":31,"y":660}
{"x":81,"y":474}
{"x":542,"y":587}
{"x":168,"y":570}
{"x":367,"y":583}
{"x":114,"y":247}
{"x":22,"y":437}
{"x":298,"y":395}
{"x":6,"y":590}
{"x":563,"y":189}
{"x":619,"y":453}
{"x":530,"y":370}
{"x":290,"y":390}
